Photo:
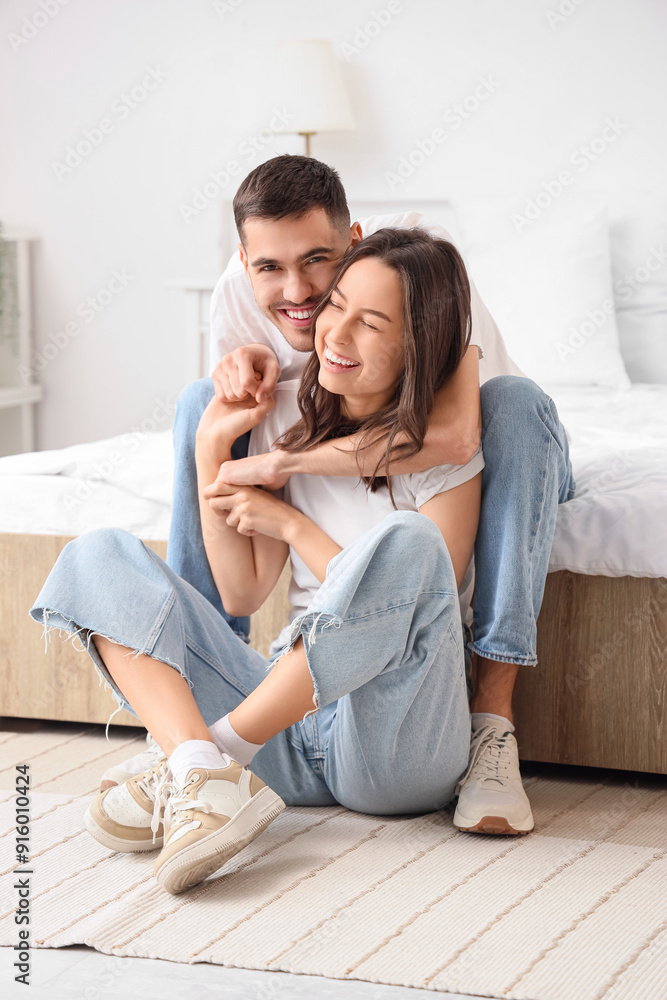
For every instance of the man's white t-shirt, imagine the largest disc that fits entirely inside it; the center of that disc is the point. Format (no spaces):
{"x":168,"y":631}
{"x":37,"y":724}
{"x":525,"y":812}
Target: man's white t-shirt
{"x":236,"y":320}
{"x":342,"y":506}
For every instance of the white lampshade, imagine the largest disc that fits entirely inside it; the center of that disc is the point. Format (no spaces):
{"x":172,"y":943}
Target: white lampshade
{"x":310,"y":85}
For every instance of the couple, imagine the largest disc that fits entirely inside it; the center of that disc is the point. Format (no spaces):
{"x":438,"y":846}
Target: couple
{"x":366,"y":701}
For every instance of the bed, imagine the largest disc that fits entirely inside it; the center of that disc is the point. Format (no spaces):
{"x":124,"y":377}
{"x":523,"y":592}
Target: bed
{"x":598,"y":696}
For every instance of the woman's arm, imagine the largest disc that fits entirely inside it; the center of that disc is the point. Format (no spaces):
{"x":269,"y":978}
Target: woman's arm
{"x":248,"y":510}
{"x":456,"y":513}
{"x":244,"y":569}
{"x":452,"y":438}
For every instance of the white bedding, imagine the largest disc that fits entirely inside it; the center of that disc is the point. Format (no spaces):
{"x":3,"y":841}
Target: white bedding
{"x":614,"y":526}
{"x":124,"y":482}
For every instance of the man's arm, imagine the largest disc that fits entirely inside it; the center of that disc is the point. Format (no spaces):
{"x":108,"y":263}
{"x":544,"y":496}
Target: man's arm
{"x":453,"y":436}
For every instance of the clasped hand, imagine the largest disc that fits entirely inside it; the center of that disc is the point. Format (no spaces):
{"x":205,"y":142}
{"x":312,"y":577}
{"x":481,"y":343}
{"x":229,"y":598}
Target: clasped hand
{"x":250,"y":510}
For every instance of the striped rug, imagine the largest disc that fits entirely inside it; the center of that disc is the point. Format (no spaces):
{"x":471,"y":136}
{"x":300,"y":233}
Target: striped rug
{"x":575,"y":911}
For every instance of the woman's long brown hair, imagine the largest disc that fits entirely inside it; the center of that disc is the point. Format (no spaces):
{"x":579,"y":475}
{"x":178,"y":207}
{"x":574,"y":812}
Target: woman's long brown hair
{"x":436,"y":333}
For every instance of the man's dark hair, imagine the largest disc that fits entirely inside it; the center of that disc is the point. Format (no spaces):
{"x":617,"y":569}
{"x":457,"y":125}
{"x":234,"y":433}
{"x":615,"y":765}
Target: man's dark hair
{"x":291,"y":186}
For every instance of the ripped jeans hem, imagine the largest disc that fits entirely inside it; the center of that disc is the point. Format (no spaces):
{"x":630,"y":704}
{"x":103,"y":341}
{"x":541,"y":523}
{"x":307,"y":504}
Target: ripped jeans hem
{"x":305,"y":626}
{"x":85,"y":635}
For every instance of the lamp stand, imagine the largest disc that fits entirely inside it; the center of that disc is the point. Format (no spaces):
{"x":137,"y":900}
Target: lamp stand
{"x":307,"y":136}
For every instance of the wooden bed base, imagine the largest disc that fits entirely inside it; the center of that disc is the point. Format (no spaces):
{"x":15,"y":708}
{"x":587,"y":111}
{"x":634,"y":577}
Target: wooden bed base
{"x":597,"y":698}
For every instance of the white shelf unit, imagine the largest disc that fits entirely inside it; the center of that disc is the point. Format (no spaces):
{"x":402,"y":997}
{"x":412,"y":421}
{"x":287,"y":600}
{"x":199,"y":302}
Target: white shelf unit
{"x":197,"y":306}
{"x":26,"y":393}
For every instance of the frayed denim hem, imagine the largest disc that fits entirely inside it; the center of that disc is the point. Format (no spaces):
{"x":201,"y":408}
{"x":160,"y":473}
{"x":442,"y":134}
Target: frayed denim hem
{"x":306,"y":625}
{"x":85,"y":636}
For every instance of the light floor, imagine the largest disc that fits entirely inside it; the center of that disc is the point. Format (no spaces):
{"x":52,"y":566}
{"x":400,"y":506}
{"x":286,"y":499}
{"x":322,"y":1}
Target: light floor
{"x":81,"y":973}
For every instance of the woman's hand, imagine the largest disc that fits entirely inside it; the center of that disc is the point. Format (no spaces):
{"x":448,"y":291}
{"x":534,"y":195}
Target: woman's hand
{"x":252,"y":511}
{"x":223,"y":422}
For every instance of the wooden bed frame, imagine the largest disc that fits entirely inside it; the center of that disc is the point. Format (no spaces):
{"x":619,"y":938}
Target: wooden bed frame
{"x":597,"y":698}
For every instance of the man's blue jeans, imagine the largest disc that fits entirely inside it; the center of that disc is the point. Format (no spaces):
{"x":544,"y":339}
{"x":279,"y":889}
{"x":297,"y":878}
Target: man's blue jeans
{"x":527,"y":474}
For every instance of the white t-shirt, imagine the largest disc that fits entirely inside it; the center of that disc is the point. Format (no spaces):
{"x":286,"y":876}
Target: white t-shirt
{"x":237,"y":321}
{"x":342,"y":506}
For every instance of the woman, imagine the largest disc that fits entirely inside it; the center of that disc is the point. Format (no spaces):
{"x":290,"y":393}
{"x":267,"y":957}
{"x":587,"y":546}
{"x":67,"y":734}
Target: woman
{"x":365,"y":703}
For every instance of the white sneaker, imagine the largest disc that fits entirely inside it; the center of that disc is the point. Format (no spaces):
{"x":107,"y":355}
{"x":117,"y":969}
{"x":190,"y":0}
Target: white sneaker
{"x":491,"y":795}
{"x":210,"y":817}
{"x":141,"y":762}
{"x":128,"y":817}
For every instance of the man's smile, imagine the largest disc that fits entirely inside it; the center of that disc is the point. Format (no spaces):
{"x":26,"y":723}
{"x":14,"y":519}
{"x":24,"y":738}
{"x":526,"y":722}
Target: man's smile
{"x":299,"y":318}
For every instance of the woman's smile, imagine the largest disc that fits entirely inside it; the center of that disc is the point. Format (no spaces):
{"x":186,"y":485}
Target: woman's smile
{"x":335,"y":362}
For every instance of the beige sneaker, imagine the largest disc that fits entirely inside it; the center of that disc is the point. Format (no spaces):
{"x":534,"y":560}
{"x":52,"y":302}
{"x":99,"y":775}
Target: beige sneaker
{"x":491,"y":795}
{"x":128,"y":817}
{"x":208,"y":819}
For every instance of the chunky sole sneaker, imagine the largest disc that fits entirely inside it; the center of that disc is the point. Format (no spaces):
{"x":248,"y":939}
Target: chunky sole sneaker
{"x":491,"y":797}
{"x":211,"y":816}
{"x":141,"y":762}
{"x":128,"y":817}
{"x":490,"y":824}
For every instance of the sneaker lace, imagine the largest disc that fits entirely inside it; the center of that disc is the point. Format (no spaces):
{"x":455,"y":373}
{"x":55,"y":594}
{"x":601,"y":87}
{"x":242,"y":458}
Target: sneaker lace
{"x":157,"y":785}
{"x":179,"y":802}
{"x":490,"y":757}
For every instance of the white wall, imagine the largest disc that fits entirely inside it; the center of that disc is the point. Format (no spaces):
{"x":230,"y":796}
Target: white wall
{"x":556,"y":78}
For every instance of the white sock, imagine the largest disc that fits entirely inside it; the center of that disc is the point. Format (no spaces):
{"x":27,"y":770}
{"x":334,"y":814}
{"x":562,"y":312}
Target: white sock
{"x":477,"y":720}
{"x":228,"y":741}
{"x":195,"y":753}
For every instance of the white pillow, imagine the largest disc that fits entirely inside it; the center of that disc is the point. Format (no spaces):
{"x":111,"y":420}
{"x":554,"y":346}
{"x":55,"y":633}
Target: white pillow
{"x":638,"y":231}
{"x":549,"y":288}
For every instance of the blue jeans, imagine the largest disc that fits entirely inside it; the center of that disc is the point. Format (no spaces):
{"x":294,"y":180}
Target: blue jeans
{"x":390,"y":730}
{"x":526,"y":475}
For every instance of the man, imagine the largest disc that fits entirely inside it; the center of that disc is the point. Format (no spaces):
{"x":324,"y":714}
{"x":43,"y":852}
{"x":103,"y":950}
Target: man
{"x":294,"y":226}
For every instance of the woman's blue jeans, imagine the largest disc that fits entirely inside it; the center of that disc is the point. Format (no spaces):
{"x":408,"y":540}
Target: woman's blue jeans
{"x":389,"y":732}
{"x":527,"y":474}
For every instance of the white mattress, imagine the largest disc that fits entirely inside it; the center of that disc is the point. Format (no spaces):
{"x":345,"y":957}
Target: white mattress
{"x":123,"y":482}
{"x":615,"y":525}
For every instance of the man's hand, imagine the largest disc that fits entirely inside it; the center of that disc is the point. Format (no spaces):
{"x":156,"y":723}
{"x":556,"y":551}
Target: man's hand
{"x":223,"y":422}
{"x":251,"y":511}
{"x":249,"y":372}
{"x":271,"y":470}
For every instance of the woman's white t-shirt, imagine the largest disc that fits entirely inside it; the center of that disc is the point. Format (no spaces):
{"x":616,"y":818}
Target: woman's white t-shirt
{"x":342,"y":506}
